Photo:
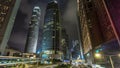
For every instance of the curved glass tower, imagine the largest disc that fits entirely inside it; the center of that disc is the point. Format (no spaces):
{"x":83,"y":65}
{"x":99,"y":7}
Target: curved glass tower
{"x":33,"y":31}
{"x":51,"y":32}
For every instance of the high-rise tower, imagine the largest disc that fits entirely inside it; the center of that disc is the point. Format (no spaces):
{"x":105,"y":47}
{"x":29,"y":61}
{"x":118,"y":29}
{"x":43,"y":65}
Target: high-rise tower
{"x":51,"y":32}
{"x":8,"y":11}
{"x":33,"y":31}
{"x":90,"y":29}
{"x":65,"y":44}
{"x":98,"y":28}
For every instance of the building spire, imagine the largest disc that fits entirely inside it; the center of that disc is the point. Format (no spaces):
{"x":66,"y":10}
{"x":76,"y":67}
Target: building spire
{"x":55,"y":1}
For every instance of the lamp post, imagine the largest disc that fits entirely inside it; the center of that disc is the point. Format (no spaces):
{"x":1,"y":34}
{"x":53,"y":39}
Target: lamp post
{"x":111,"y":61}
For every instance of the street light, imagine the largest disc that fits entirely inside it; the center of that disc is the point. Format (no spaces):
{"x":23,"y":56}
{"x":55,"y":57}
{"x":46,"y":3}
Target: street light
{"x":111,"y":61}
{"x":98,"y":55}
{"x":119,"y":55}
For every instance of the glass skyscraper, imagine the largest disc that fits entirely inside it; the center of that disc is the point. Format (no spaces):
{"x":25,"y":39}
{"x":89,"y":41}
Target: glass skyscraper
{"x":51,"y":32}
{"x":33,"y":31}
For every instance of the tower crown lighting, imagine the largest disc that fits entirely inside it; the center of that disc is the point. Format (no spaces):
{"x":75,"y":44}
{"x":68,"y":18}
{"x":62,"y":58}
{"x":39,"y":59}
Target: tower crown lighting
{"x":55,"y":1}
{"x":37,"y":10}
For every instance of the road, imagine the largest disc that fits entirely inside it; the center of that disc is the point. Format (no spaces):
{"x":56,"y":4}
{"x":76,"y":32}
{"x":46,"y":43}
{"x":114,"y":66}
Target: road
{"x":48,"y":66}
{"x":81,"y":66}
{"x":29,"y":66}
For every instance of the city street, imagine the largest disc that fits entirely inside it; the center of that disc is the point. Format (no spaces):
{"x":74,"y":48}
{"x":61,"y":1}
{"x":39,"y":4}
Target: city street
{"x":59,"y":33}
{"x":48,"y":66}
{"x":30,"y":66}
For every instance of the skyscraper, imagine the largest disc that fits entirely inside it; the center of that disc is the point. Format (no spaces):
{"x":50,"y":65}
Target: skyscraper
{"x":104,"y":20}
{"x":51,"y":32}
{"x":33,"y":31}
{"x":108,"y":16}
{"x":90,"y":31}
{"x":65,"y":44}
{"x":96,"y":27}
{"x":8,"y":11}
{"x":113,"y":8}
{"x":76,"y":49}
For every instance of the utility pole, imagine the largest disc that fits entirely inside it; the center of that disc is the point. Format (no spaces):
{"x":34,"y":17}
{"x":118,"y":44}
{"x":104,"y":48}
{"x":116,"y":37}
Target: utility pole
{"x":111,"y":61}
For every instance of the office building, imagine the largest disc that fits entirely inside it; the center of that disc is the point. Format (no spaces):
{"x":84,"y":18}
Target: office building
{"x":91,"y":36}
{"x":8,"y":11}
{"x":32,"y":38}
{"x":75,"y":54}
{"x":51,"y":32}
{"x":96,"y":27}
{"x":113,"y":8}
{"x":65,"y":44}
{"x":108,"y":16}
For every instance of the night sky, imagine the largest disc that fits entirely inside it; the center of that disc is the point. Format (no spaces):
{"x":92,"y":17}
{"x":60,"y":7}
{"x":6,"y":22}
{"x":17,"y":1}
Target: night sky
{"x":19,"y":32}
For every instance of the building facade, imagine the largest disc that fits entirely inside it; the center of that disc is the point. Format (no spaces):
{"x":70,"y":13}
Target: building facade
{"x":108,"y":16}
{"x":51,"y":32}
{"x":65,"y":44}
{"x":32,"y":38}
{"x":75,"y":53}
{"x":91,"y":36}
{"x":112,"y":8}
{"x":8,"y":11}
{"x":104,"y":20}
{"x":96,"y":27}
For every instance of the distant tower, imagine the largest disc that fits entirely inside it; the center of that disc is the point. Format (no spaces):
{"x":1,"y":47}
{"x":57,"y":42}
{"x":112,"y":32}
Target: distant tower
{"x":65,"y":44}
{"x":76,"y":49}
{"x":33,"y":31}
{"x":8,"y":11}
{"x":51,"y":32}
